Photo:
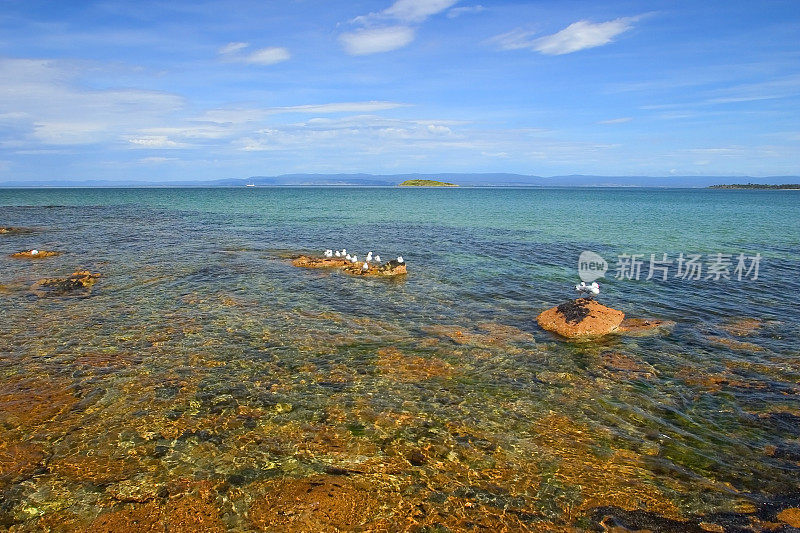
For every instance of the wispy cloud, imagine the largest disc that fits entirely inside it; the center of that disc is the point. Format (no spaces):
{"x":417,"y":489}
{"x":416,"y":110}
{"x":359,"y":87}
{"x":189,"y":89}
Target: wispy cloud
{"x":466,"y":10}
{"x":376,"y":40}
{"x":391,"y":28}
{"x":155,"y":141}
{"x":620,"y":120}
{"x":240,"y":116}
{"x":577,"y":36}
{"x":263,"y":56}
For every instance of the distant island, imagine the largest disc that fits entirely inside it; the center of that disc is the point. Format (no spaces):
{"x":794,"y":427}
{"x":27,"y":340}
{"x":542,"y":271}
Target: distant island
{"x":756,"y":186}
{"x":426,"y":183}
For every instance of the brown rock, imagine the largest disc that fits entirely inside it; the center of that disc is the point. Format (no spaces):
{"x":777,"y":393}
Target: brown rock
{"x":19,"y":461}
{"x":389,"y":269}
{"x":643,"y":326}
{"x":79,"y":283}
{"x":617,"y":362}
{"x":96,"y":469}
{"x":319,"y":503}
{"x":319,"y":262}
{"x":40,"y":254}
{"x":398,"y":366}
{"x":392,"y":268}
{"x":742,"y":327}
{"x":791,"y":516}
{"x":8,"y":230}
{"x":582,"y":318}
{"x":734,"y":344}
{"x":145,"y":518}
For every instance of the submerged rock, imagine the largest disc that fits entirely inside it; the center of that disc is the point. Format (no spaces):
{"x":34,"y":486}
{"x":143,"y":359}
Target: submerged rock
{"x":39,"y":254}
{"x":79,"y":283}
{"x":581,"y":318}
{"x":644,"y":326}
{"x":9,"y":230}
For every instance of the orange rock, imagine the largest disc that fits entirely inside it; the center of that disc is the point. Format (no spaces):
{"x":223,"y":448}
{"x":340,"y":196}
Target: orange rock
{"x":791,"y":516}
{"x":40,"y":254}
{"x":582,"y":318}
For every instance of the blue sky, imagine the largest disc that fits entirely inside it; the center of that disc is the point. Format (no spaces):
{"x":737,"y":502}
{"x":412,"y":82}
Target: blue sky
{"x":203,"y":90}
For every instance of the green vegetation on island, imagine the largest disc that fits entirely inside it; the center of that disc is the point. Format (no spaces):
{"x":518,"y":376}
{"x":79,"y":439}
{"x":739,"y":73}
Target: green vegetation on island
{"x":426,"y":183}
{"x":756,"y":186}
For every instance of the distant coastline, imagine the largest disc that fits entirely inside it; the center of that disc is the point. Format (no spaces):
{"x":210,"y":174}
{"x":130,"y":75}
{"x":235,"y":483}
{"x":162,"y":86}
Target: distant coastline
{"x":426,"y":183}
{"x":785,"y":186}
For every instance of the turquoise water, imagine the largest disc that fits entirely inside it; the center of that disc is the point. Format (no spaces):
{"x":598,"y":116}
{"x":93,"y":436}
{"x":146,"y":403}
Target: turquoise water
{"x":203,"y":355}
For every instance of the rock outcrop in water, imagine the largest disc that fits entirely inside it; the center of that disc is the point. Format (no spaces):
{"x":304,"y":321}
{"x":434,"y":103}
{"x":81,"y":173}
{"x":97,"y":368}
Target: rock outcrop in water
{"x":584,"y":318}
{"x":581,"y":318}
{"x":78,"y":284}
{"x":388,"y":269}
{"x":35,"y":254}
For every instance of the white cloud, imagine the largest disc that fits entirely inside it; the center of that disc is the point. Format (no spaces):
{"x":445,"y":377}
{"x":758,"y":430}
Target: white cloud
{"x":51,"y":108}
{"x":262,"y":56}
{"x":231,"y":48}
{"x":340,"y":107}
{"x":373,"y":41}
{"x":581,"y":35}
{"x":620,"y":120}
{"x":155,"y":141}
{"x":404,"y":13}
{"x":577,"y":36}
{"x":417,"y":10}
{"x":268,"y":56}
{"x":242,"y":116}
{"x":436,"y":129}
{"x":157,"y":160}
{"x":458,"y":11}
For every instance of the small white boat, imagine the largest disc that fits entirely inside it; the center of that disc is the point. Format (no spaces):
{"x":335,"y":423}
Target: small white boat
{"x":249,"y":184}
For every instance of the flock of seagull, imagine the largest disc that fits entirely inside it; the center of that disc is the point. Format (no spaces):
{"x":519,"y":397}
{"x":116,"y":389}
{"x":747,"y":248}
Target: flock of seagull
{"x":354,"y":258}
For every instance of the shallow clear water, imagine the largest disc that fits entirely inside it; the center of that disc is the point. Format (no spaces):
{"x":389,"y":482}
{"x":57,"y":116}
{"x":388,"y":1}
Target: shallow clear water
{"x":203,"y":358}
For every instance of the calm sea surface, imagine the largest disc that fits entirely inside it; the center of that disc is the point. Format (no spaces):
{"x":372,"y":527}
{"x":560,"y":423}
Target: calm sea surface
{"x":205,"y":372}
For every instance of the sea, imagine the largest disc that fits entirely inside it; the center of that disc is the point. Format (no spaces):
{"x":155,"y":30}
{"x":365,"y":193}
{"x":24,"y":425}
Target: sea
{"x":205,"y":382}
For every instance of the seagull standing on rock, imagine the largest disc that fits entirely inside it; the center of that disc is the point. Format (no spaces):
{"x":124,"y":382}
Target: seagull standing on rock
{"x":400,"y":259}
{"x":378,"y":259}
{"x":365,"y":267}
{"x":328,"y":253}
{"x":338,"y":253}
{"x":588,"y":290}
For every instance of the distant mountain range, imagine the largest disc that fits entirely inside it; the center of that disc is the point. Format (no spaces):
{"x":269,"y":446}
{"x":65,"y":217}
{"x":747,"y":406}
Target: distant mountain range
{"x":464,"y":180}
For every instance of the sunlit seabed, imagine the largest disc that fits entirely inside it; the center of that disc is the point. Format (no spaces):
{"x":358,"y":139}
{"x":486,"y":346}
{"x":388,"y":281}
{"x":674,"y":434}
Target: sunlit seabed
{"x":205,"y":376}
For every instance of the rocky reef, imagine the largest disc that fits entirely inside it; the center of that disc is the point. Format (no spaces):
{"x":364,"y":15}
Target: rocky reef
{"x":388,"y":269}
{"x":585,"y":318}
{"x":35,"y":254}
{"x":10,"y":230}
{"x":77,"y":284}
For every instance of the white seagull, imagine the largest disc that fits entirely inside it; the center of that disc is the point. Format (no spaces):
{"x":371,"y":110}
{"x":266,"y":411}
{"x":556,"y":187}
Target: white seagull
{"x":365,"y":267}
{"x":377,"y":259}
{"x":328,"y":253}
{"x":354,"y":259}
{"x":589,"y":290}
{"x":400,"y":259}
{"x":34,"y":252}
{"x":338,"y":253}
